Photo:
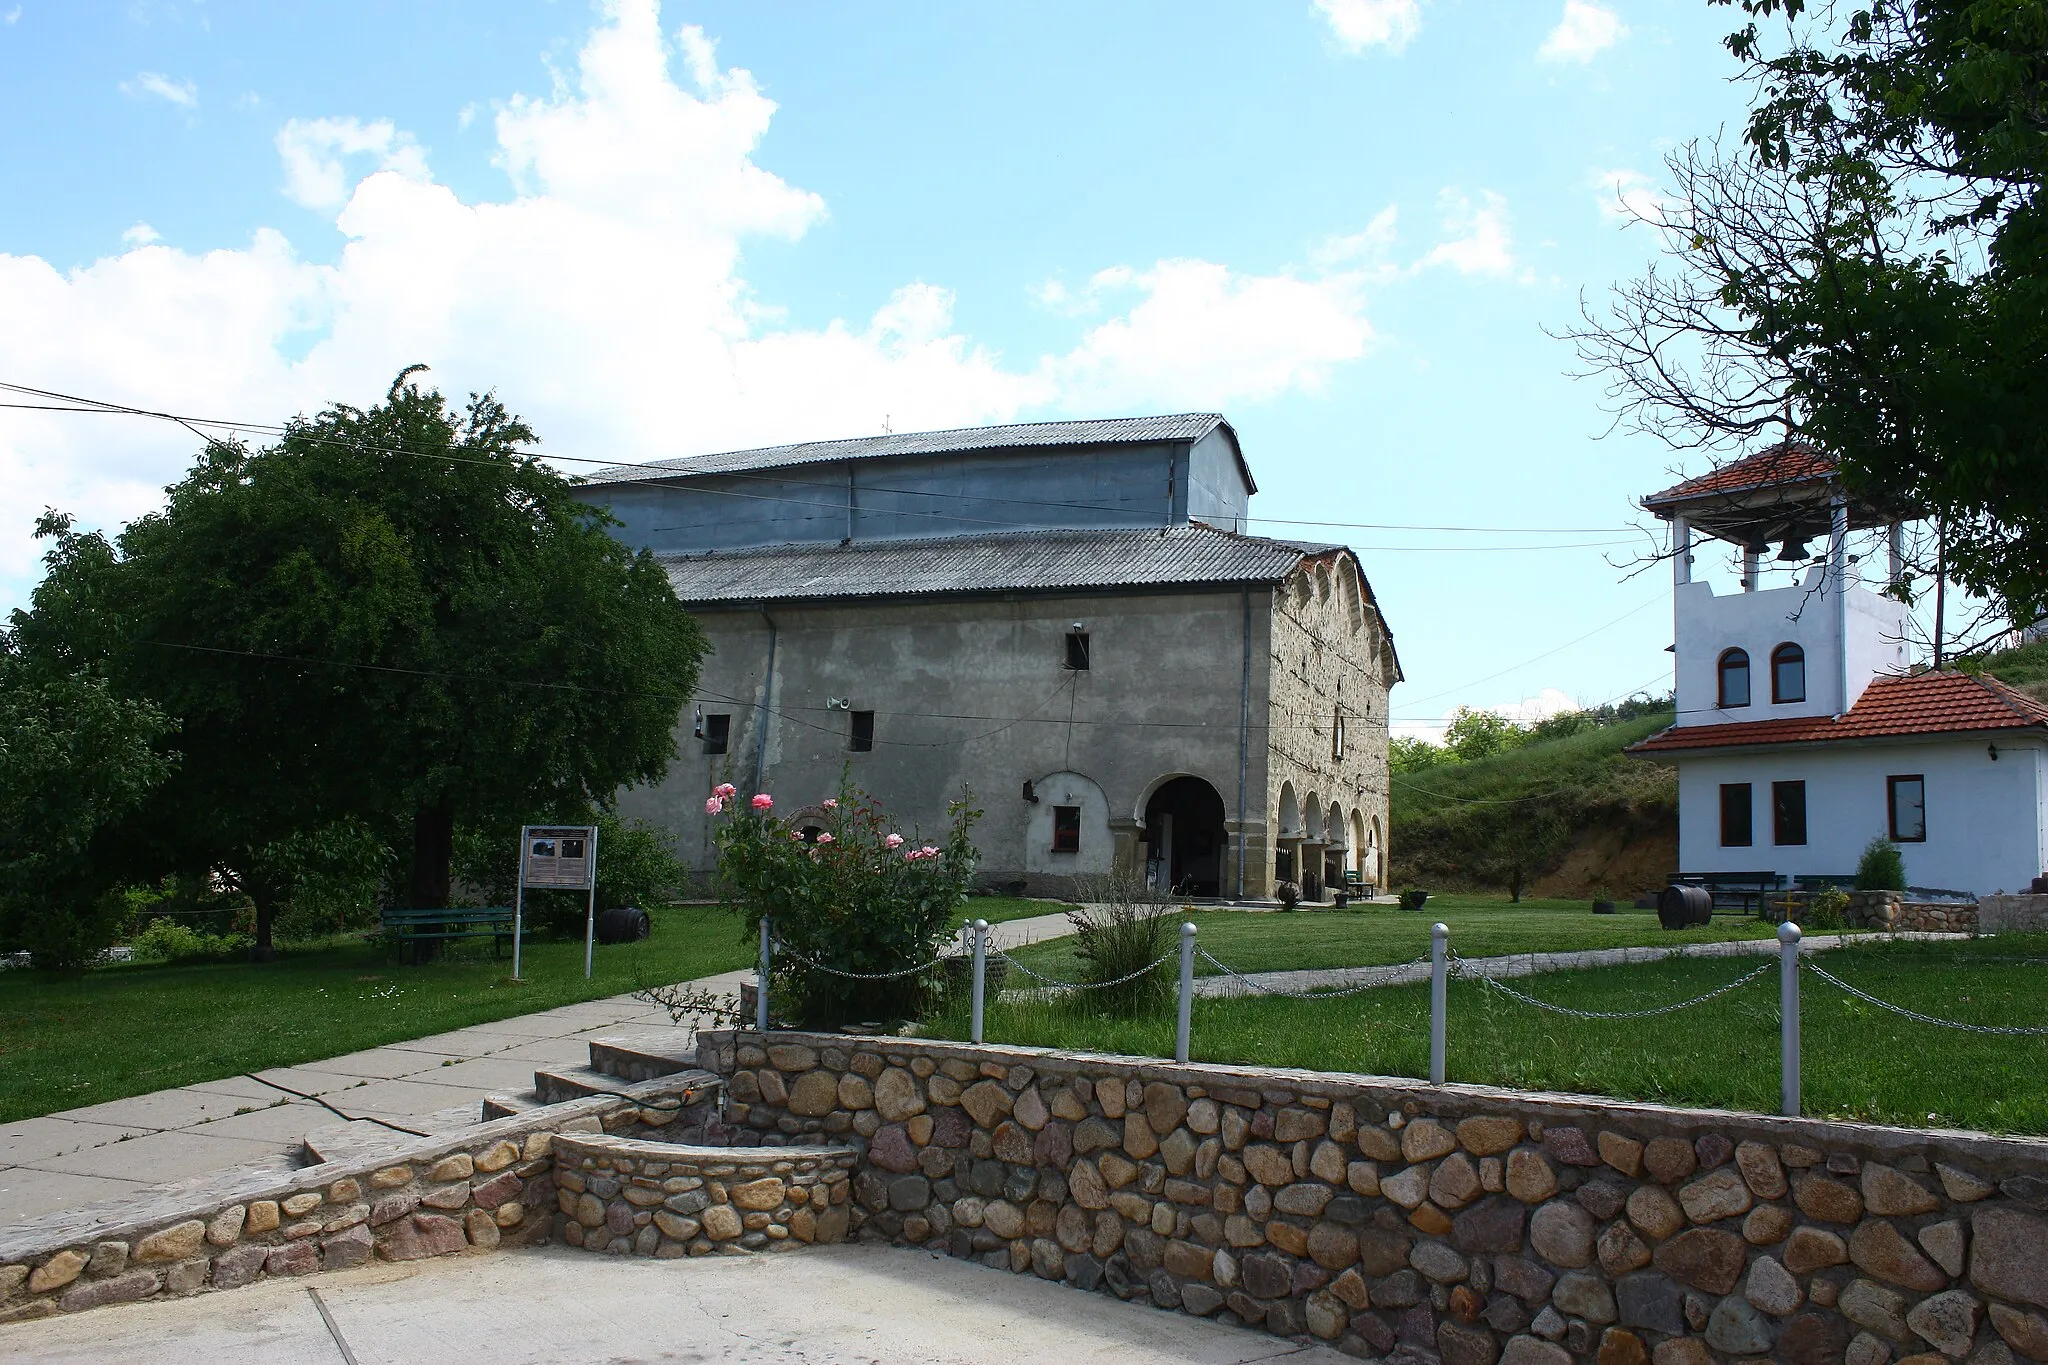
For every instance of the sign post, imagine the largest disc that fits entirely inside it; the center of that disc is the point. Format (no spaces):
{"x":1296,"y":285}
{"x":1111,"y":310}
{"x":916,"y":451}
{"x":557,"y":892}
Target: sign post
{"x":557,"y":858}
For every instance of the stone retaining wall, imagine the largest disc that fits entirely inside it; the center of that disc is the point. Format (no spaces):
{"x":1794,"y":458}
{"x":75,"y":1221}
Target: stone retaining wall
{"x":1891,"y":910}
{"x":489,"y":1187}
{"x":2013,"y":914}
{"x":628,"y":1195}
{"x":1458,"y":1224}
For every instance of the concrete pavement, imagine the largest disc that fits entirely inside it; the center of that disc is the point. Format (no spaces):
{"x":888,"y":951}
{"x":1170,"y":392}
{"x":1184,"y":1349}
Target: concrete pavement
{"x":79,"y":1157}
{"x":813,"y":1307}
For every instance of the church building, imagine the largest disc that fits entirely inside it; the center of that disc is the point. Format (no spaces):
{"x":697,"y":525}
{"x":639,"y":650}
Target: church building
{"x":1067,"y":620}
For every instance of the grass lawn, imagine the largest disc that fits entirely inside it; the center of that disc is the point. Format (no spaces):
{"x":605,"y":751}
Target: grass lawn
{"x":129,"y":1029}
{"x":1369,"y":936}
{"x":1859,"y":1062}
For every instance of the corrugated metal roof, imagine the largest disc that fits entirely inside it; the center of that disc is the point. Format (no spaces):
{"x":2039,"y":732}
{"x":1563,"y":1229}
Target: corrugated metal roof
{"x":1890,"y":708}
{"x":1004,"y":562}
{"x":1185,"y":426}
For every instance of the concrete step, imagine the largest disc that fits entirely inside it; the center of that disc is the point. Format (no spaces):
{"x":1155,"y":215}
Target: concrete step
{"x":505,"y":1106}
{"x":353,"y":1141}
{"x":557,"y":1084}
{"x":643,"y":1056}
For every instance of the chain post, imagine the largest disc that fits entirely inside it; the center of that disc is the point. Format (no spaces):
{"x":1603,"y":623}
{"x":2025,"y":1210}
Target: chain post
{"x":1439,"y":943}
{"x":980,"y":962}
{"x":1788,"y":1018}
{"x":1185,"y":1025}
{"x":761,"y":982}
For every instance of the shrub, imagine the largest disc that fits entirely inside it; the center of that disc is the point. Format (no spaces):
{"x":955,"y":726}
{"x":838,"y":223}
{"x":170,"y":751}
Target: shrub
{"x":1122,"y":925}
{"x":166,"y":940}
{"x":1827,"y":908}
{"x":1882,"y":867}
{"x":635,"y":866}
{"x":855,"y":896}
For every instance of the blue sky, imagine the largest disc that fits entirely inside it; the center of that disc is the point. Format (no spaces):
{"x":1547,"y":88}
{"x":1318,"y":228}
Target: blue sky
{"x":659,"y":230}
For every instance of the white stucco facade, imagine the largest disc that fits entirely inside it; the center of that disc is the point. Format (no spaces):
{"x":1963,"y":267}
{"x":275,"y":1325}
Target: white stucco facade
{"x":1984,"y":816}
{"x":1856,"y":627}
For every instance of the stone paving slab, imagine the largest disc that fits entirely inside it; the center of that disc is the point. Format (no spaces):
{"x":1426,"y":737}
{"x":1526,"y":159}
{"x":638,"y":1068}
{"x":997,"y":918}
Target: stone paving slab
{"x":282,"y":1121}
{"x":158,"y":1157}
{"x":27,"y":1140}
{"x":846,"y":1303}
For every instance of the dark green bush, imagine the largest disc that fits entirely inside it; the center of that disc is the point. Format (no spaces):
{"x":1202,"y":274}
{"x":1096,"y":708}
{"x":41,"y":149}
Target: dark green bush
{"x":1882,"y":867}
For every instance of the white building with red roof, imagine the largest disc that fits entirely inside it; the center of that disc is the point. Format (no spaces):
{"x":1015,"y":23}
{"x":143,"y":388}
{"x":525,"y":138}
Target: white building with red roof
{"x":1802,"y":731}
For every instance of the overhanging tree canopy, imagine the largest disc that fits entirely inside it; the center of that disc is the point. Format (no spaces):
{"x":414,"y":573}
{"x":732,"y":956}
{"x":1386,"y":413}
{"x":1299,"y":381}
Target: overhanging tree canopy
{"x":395,"y":613}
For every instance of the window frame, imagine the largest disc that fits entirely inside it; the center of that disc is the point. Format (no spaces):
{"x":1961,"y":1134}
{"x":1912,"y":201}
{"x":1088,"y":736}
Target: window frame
{"x":1723,"y":666}
{"x":1791,"y":651}
{"x":1066,"y":822}
{"x":1080,"y":653}
{"x":860,"y":732}
{"x":718,"y":733}
{"x":1748,"y":800}
{"x":1891,"y":807}
{"x":1780,"y":810}
{"x":1337,"y":736}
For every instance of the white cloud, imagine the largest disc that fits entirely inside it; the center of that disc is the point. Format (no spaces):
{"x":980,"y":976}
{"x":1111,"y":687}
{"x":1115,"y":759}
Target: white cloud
{"x":184,"y":94}
{"x":314,"y":153}
{"x":605,"y":300}
{"x":142,"y":234}
{"x":1199,"y":333}
{"x":1583,"y":33}
{"x":12,"y":16}
{"x":1628,"y":196}
{"x":1477,"y":240}
{"x":1360,"y":24}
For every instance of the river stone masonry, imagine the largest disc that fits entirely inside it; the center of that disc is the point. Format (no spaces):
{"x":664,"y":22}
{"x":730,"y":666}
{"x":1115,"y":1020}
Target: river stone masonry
{"x":626,"y":1195}
{"x":1456,"y":1224}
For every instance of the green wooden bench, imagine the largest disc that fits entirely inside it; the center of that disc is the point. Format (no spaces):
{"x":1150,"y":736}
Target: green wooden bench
{"x":420,"y":928}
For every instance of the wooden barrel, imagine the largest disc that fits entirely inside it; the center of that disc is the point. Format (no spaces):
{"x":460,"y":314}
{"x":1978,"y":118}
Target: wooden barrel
{"x":623,"y":924}
{"x":1682,"y":907}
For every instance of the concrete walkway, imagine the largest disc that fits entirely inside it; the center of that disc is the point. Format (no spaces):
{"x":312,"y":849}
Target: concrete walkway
{"x":83,"y":1156}
{"x":814,"y":1307}
{"x":1530,"y":964}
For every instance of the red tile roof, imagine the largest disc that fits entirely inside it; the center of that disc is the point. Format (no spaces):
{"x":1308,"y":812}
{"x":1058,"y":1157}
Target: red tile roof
{"x":1923,"y":704}
{"x":1785,"y":463}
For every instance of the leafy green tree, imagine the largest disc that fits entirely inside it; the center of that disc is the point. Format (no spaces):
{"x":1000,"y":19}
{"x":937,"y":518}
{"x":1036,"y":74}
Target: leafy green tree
{"x":397,"y":615}
{"x":1409,"y":754}
{"x":1473,"y":735}
{"x":1869,"y":272}
{"x":75,"y":759}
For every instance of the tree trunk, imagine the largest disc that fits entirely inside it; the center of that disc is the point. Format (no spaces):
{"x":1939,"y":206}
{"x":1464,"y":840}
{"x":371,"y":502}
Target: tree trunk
{"x":433,"y":848}
{"x":265,"y":898}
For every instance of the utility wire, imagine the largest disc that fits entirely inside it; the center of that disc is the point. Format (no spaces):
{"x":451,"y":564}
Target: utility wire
{"x":63,"y":402}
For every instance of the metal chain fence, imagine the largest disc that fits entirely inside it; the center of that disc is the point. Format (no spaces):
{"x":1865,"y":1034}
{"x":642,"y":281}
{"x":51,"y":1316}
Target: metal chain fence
{"x":2002,"y":1030}
{"x":1056,"y":984}
{"x":787,"y":951}
{"x":1386,"y":975}
{"x":1459,"y":968}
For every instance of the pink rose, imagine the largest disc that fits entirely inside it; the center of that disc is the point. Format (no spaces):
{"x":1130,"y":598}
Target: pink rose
{"x":831,"y":803}
{"x":726,"y":790}
{"x":713,"y":806}
{"x":796,"y":836}
{"x":893,"y":841}
{"x":763,"y":801}
{"x":824,"y":838}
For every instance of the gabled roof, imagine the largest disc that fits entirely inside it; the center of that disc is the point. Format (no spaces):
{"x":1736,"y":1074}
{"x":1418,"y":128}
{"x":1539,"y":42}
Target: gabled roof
{"x":1782,"y":465}
{"x":1185,"y":426}
{"x":1890,"y":708}
{"x":1008,"y":561}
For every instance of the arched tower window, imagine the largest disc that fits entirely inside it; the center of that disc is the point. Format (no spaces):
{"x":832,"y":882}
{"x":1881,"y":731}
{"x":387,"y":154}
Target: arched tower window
{"x":1734,"y":677}
{"x":1788,"y":673}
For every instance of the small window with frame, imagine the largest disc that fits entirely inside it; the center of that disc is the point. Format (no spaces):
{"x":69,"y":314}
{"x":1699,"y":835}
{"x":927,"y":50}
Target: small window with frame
{"x":861,"y":732}
{"x":1737,"y":830}
{"x":1788,"y":674}
{"x":1337,"y":736}
{"x":1066,"y":829}
{"x":1906,"y":801}
{"x":1788,"y":813}
{"x":717,"y":733}
{"x":1077,"y":651}
{"x":1734,"y":678}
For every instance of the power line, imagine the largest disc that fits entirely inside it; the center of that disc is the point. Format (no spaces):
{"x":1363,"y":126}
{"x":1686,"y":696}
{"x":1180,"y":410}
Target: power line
{"x":1544,"y":655}
{"x":74,"y":403}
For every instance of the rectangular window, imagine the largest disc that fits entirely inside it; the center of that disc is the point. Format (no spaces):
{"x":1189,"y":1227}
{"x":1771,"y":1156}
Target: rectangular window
{"x":1077,"y":650}
{"x":1788,"y":812}
{"x":717,"y":733}
{"x":1736,"y":829}
{"x":1066,"y":829}
{"x":862,"y":732}
{"x":1337,"y":737}
{"x":1907,"y":799}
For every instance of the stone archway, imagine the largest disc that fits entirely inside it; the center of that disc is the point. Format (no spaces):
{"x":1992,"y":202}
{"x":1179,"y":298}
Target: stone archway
{"x":1185,"y":838}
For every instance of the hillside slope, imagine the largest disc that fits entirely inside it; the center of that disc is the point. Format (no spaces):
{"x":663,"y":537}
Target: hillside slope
{"x":1570,"y":816}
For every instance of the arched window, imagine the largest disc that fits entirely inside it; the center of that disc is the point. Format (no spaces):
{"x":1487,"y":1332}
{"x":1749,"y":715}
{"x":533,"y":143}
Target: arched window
{"x":1788,"y":673}
{"x":1735,"y":678}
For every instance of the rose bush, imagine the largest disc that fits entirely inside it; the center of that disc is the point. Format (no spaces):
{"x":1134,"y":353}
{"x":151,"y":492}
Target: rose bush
{"x":845,"y":891}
